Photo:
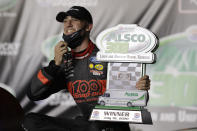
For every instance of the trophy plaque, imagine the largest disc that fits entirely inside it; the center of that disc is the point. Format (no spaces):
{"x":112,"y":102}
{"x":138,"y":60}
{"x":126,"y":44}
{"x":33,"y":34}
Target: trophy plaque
{"x":127,"y":49}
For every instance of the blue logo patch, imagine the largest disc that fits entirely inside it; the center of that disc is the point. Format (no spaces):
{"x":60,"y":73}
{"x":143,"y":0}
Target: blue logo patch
{"x":94,"y":60}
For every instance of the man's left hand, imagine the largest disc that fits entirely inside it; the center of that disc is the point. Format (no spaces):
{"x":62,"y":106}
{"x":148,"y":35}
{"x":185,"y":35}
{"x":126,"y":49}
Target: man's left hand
{"x":143,"y":83}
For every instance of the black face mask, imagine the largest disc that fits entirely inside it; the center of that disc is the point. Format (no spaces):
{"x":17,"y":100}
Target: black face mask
{"x":75,"y":39}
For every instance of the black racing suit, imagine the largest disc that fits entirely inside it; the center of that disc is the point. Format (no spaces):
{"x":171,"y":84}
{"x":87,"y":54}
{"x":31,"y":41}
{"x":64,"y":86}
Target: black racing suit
{"x":85,"y":79}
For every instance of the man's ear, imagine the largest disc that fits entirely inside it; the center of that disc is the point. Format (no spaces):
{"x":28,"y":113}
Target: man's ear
{"x":89,"y":27}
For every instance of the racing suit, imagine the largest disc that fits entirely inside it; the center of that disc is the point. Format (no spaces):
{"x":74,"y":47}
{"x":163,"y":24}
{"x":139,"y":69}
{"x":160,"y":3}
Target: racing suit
{"x":85,"y":79}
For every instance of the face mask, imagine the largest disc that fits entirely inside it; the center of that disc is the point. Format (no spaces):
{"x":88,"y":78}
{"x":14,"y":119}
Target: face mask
{"x":75,"y":39}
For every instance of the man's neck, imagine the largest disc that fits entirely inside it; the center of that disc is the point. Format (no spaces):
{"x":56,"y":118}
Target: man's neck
{"x":83,"y":45}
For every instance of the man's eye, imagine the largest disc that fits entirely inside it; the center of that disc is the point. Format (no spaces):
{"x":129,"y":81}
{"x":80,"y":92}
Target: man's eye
{"x":75,"y":19}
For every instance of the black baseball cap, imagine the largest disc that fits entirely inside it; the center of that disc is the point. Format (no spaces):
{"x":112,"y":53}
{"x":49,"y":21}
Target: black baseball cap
{"x":78,"y":12}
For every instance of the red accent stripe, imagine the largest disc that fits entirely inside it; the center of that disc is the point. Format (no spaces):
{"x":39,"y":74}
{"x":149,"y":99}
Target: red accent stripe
{"x":87,"y":51}
{"x":42,"y":78}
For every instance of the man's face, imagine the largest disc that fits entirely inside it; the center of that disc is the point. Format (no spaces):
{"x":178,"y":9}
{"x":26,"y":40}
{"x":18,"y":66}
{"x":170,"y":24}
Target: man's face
{"x":72,"y":25}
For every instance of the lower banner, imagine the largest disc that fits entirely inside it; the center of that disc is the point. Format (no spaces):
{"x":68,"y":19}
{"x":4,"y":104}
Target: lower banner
{"x":115,"y":114}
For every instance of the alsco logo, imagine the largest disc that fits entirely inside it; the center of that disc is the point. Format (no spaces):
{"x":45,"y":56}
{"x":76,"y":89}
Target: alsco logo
{"x":126,"y":43}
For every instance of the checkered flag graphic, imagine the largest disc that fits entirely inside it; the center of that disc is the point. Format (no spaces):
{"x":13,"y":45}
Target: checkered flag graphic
{"x":123,"y":75}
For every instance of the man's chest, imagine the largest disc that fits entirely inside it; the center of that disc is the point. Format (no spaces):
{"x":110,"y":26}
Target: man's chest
{"x":89,"y":79}
{"x":89,"y":69}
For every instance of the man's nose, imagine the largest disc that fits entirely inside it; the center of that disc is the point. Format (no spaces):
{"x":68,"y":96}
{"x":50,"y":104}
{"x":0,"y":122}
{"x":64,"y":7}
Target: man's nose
{"x":69,"y":23}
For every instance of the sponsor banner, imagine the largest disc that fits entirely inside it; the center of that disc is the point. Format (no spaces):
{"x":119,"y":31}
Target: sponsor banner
{"x":116,"y":115}
{"x":174,"y":76}
{"x":5,"y":5}
{"x":175,"y":115}
{"x":9,"y":49}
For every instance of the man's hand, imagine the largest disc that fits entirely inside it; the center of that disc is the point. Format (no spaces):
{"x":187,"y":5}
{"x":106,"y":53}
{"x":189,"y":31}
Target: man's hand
{"x":60,"y":49}
{"x":143,"y":83}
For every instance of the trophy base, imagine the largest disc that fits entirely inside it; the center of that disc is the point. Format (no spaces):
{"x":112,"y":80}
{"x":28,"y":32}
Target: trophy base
{"x":137,"y":115}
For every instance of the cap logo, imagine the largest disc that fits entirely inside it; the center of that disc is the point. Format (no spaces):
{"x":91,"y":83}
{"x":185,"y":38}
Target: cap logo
{"x":74,"y":9}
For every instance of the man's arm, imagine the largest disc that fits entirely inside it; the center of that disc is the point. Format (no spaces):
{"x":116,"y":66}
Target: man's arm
{"x":47,"y":81}
{"x":50,"y":79}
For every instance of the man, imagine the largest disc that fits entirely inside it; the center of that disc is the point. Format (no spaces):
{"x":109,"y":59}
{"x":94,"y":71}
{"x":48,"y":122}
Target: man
{"x":72,"y":70}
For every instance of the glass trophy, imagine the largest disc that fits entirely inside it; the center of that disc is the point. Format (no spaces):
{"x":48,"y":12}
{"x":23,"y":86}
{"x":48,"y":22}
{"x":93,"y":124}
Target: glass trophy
{"x":127,"y":49}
